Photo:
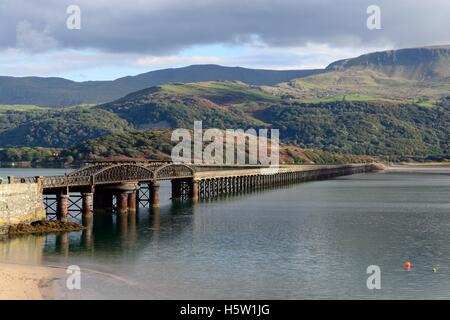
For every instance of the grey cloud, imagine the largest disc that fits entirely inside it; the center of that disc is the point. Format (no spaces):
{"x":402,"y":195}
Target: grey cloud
{"x":33,"y":40}
{"x":164,"y":27}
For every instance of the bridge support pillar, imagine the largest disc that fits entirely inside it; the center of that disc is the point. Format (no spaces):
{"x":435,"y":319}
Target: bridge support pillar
{"x":154,"y":194}
{"x":87,"y":203}
{"x":176,"y":189}
{"x":62,"y":206}
{"x":193,"y":190}
{"x":122,"y":202}
{"x":132,"y":200}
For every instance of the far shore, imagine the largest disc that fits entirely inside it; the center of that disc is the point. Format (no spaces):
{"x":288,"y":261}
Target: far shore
{"x":418,"y":168}
{"x":27,"y":282}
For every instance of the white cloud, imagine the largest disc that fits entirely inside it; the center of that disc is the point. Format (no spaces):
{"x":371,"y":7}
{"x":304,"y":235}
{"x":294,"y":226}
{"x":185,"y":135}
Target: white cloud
{"x":16,"y":62}
{"x":173,"y":61}
{"x":310,"y":56}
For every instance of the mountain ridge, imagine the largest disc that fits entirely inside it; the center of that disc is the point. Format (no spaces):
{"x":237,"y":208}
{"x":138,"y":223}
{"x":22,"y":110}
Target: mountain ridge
{"x":59,"y":92}
{"x":391,"y":72}
{"x":422,"y":63}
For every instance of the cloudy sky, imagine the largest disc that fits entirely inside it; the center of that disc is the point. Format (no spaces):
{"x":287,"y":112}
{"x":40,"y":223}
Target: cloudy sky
{"x":119,"y":38}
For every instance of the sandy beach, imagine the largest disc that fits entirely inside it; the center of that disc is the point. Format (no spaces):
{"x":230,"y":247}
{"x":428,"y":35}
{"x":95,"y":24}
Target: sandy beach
{"x":22,"y":282}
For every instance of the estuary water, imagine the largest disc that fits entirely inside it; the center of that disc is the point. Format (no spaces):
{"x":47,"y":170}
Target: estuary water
{"x":312,"y":240}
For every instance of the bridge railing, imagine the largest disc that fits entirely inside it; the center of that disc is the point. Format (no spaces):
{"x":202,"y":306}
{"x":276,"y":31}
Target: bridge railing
{"x":56,"y":181}
{"x":23,"y":180}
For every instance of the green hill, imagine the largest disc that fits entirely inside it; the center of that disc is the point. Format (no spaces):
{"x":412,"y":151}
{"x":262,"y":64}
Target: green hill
{"x":417,"y":74}
{"x":420,"y":64}
{"x":56,"y":127}
{"x":395,"y":132}
{"x":218,"y":104}
{"x":366,"y":126}
{"x":59,"y":92}
{"x":361,"y":126}
{"x":156,"y":144}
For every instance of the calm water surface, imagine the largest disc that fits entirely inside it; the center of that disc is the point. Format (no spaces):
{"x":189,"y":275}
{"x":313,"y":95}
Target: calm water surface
{"x":304,"y":241}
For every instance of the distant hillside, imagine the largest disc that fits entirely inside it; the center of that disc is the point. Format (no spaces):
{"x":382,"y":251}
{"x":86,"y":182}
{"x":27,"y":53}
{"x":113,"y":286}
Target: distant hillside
{"x":150,"y":144}
{"x":395,"y":132}
{"x":398,"y":130}
{"x":56,"y":127}
{"x":217,"y":104}
{"x":156,"y":144}
{"x":59,"y":92}
{"x":393,"y":104}
{"x":376,"y":127}
{"x":427,"y":63}
{"x":417,"y":74}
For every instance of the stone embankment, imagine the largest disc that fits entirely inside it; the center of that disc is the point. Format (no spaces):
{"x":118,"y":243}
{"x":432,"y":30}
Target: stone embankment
{"x":20,"y":203}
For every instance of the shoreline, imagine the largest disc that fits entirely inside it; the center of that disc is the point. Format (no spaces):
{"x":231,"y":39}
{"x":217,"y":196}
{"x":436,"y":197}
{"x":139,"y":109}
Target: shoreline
{"x":27,"y":282}
{"x":418,"y":169}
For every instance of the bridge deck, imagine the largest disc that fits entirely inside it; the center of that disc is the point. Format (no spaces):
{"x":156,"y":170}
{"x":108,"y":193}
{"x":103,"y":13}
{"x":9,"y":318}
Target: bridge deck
{"x":224,"y":173}
{"x":116,"y":173}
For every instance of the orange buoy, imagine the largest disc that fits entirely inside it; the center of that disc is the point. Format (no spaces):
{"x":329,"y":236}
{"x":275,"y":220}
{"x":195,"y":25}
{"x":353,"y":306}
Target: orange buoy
{"x":408,"y":265}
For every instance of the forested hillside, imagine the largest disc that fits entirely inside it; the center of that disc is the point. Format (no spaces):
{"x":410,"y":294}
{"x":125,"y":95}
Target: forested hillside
{"x":389,"y":129}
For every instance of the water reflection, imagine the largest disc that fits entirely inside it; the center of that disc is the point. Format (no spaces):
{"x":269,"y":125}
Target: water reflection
{"x":123,"y":233}
{"x":122,"y":236}
{"x":23,"y":249}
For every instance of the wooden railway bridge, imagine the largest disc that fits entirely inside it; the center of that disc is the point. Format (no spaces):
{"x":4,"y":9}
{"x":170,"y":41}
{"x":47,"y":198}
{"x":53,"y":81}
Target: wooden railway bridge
{"x":125,"y":186}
